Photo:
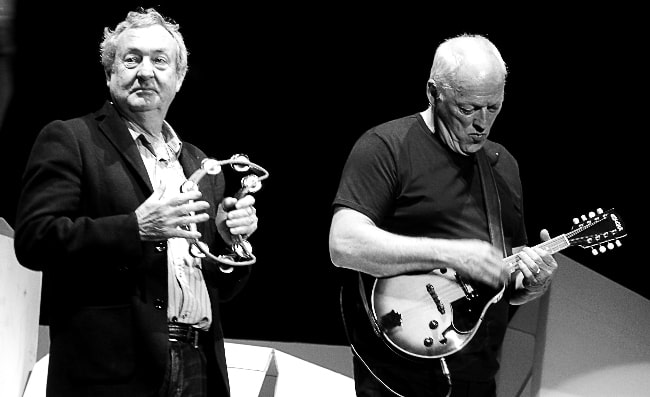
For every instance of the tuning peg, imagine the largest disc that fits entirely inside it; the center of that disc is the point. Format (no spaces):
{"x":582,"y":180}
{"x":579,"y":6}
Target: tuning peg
{"x":594,"y":251}
{"x":599,"y":211}
{"x":602,"y":248}
{"x":610,"y":246}
{"x":592,"y":214}
{"x":583,"y":217}
{"x":576,"y":221}
{"x":618,"y":243}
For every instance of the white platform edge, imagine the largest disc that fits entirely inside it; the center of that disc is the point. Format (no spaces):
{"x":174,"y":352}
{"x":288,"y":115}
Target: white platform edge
{"x":249,"y":369}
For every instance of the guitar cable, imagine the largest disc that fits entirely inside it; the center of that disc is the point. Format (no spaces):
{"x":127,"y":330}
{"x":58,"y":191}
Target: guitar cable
{"x":372,"y":373}
{"x":445,"y":371}
{"x":354,"y":350}
{"x":443,"y":365}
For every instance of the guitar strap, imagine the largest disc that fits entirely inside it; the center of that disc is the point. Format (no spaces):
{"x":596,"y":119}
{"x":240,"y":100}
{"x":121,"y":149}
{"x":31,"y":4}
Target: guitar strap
{"x":492,"y":202}
{"x":364,"y":300}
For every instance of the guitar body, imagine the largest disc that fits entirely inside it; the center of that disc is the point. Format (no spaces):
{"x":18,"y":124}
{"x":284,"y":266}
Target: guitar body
{"x":429,"y":315}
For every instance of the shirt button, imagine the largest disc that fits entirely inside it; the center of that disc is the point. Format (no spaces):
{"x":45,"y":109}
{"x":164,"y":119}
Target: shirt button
{"x":161,"y":246}
{"x":158,"y":304}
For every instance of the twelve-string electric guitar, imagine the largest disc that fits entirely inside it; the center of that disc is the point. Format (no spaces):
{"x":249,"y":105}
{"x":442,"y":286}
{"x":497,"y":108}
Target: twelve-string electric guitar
{"x":435,"y":314}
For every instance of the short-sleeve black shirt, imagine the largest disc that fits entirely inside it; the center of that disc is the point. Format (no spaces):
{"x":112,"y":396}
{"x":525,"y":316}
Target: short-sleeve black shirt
{"x":408,"y":182}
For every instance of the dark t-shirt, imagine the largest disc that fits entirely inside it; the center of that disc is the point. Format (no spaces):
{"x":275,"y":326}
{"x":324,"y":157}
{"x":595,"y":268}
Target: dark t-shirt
{"x":407,"y":181}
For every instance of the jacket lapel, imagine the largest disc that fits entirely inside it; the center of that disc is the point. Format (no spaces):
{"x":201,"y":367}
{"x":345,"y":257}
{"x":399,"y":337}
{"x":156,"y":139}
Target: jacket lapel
{"x":118,"y":134}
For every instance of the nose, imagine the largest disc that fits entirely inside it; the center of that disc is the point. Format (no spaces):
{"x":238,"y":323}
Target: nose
{"x":145,"y":70}
{"x":481,"y":119}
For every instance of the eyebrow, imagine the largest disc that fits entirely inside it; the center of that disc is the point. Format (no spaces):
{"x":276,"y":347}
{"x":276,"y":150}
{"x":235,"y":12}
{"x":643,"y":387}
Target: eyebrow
{"x":154,"y":51}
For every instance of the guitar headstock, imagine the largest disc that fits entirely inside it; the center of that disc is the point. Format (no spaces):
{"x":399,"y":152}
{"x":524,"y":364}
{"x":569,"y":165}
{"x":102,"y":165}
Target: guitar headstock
{"x":598,"y":230}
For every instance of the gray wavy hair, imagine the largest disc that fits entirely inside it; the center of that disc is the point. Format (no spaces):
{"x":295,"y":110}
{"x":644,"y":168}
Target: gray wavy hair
{"x":140,"y":19}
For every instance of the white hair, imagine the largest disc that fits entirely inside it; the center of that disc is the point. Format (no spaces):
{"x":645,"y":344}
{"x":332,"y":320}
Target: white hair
{"x":453,"y":52}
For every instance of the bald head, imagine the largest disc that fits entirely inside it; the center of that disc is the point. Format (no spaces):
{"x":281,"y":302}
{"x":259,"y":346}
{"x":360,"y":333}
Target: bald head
{"x":467,"y":60}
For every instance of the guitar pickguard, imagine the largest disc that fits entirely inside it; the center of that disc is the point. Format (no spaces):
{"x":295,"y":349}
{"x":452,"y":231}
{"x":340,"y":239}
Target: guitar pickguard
{"x":428,"y":315}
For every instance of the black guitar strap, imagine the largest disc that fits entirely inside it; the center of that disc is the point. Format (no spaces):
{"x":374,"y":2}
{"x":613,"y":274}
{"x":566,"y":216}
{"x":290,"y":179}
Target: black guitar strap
{"x":364,"y":300}
{"x":492,"y":202}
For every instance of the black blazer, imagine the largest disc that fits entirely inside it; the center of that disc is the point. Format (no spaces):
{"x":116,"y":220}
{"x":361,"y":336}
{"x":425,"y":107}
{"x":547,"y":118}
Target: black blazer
{"x":104,"y":291}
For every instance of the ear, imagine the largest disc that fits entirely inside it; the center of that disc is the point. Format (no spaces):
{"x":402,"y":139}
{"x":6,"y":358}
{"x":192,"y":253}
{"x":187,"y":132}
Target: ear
{"x":432,"y":91}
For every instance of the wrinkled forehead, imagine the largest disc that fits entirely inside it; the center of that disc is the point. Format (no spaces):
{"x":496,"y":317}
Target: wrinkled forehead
{"x":153,"y":37}
{"x":479,"y":79}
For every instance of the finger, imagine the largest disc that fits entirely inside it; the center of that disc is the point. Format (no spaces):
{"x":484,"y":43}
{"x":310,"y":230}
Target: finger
{"x":182,"y":198}
{"x":195,"y":206}
{"x":228,"y":203}
{"x":531,"y":260}
{"x":236,"y":221}
{"x":243,"y":230}
{"x":184,"y":233}
{"x":183,"y":221}
{"x":544,"y":235}
{"x":242,"y":225}
{"x":529,"y":278}
{"x":548,"y":262}
{"x":245,"y":201}
{"x":243,"y":213}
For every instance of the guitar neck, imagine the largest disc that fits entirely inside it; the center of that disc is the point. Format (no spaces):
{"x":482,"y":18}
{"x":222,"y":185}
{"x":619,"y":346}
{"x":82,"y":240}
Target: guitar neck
{"x":553,"y":246}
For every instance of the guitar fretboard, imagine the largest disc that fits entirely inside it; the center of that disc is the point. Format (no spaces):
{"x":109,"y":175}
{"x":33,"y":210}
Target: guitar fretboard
{"x":553,"y":245}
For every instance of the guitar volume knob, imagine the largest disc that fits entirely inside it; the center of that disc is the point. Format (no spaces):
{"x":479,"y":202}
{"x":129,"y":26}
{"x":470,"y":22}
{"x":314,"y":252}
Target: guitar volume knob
{"x":428,"y":342}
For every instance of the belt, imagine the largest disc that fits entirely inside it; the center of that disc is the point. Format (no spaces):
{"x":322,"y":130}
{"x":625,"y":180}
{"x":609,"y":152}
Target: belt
{"x":185,"y":333}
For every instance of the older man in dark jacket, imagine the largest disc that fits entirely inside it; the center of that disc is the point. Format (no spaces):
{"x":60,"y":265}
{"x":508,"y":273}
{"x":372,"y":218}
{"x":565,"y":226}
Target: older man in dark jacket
{"x":131,"y":311}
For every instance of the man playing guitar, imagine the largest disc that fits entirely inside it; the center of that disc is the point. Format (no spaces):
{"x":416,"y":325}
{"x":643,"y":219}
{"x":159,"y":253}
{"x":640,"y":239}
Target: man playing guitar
{"x":413,"y":199}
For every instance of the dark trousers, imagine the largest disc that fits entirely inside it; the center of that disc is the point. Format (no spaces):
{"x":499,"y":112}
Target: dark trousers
{"x":402,"y":382}
{"x":186,"y":374}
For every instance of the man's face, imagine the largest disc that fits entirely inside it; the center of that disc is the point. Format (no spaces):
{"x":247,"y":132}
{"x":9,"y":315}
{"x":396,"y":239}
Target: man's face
{"x":466,"y":112}
{"x":144,"y":75}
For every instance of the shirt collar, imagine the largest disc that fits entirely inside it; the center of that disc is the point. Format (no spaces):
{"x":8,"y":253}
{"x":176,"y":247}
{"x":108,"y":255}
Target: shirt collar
{"x":171,"y":139}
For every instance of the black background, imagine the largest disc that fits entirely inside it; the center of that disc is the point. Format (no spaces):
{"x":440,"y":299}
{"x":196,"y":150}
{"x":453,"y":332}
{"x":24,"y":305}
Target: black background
{"x":294,"y":88}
